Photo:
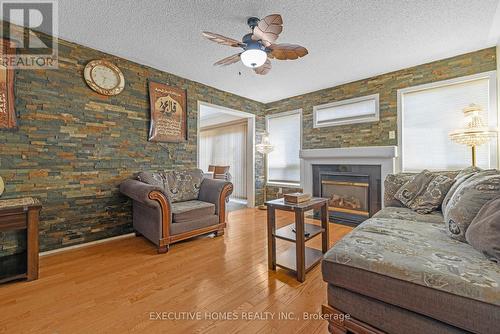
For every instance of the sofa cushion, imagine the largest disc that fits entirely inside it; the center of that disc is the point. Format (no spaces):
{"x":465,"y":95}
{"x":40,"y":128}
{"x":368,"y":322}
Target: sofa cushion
{"x":409,"y":215}
{"x":190,"y":210}
{"x":411,"y":189}
{"x":468,"y":199}
{"x":405,"y":300}
{"x":432,"y":196}
{"x":463,"y":175}
{"x":392,"y":183}
{"x":391,"y":317}
{"x":420,"y":253}
{"x":484,"y":232}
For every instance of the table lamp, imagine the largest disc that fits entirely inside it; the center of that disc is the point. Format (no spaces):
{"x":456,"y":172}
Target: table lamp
{"x":264,"y":148}
{"x":475,"y":133}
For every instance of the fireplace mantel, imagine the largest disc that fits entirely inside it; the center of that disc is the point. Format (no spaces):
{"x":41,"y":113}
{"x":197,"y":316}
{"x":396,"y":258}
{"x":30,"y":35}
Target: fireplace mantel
{"x":385,"y":156}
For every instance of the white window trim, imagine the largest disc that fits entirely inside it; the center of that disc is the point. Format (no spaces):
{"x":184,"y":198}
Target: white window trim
{"x":354,"y":120}
{"x":281,"y":114}
{"x":493,"y":111}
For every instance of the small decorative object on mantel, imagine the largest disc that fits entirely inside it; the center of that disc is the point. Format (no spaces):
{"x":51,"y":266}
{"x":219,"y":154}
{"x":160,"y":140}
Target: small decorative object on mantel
{"x":168,"y":113}
{"x":475,"y":133}
{"x":7,"y":112}
{"x":297,"y":197}
{"x":104,"y":77}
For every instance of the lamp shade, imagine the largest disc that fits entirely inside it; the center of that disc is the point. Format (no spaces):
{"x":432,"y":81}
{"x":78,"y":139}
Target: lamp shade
{"x":253,"y":58}
{"x":265,"y":146}
{"x":476,"y":132}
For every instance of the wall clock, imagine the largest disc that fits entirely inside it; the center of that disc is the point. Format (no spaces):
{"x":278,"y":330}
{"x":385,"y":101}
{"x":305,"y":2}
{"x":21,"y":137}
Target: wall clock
{"x":104,"y":77}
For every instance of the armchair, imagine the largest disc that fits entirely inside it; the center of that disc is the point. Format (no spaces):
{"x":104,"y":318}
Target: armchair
{"x":174,"y":206}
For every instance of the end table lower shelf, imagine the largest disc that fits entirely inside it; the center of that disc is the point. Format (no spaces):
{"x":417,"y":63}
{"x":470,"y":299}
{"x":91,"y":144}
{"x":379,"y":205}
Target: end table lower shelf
{"x":288,"y":259}
{"x":289,"y":233}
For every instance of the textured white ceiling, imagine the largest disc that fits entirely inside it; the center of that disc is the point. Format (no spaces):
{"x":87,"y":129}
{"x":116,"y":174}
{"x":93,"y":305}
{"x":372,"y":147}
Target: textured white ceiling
{"x":347,"y":39}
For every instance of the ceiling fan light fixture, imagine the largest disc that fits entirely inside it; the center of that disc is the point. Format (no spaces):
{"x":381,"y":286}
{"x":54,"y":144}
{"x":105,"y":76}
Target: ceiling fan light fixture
{"x":253,"y":58}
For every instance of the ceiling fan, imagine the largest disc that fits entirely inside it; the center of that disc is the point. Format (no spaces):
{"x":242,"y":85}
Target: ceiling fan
{"x":258,"y":46}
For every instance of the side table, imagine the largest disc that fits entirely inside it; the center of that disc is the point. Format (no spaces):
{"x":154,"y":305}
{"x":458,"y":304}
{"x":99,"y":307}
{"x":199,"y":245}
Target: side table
{"x":299,"y":258}
{"x":20,"y":214}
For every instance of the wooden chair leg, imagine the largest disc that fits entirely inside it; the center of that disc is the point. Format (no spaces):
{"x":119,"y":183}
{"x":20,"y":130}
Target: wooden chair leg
{"x":163,"y":249}
{"x":219,"y":233}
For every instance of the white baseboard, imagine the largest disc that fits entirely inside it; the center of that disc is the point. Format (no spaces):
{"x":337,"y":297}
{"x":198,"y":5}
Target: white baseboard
{"x":87,"y":244}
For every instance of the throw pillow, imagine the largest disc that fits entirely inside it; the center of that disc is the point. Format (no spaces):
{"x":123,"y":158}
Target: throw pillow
{"x":392,"y":183}
{"x":411,"y":189}
{"x":463,"y":175}
{"x":484,"y":232}
{"x":155,"y":179}
{"x":468,"y":199}
{"x":431,"y":198}
{"x":183,"y":185}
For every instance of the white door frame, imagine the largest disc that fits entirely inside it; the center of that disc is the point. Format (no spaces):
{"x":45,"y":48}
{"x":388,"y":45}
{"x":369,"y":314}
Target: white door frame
{"x":250,"y":177}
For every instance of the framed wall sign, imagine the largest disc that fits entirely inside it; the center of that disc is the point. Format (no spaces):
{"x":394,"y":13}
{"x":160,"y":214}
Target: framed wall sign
{"x":7,"y":111}
{"x":168,"y":113}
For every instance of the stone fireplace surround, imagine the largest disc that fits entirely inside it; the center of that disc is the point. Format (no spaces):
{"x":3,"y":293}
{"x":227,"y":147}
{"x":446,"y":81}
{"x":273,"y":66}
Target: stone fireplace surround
{"x":384,"y":156}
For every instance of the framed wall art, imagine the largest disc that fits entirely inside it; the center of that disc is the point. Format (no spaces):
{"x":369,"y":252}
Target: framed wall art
{"x":7,"y":111}
{"x":168,"y":113}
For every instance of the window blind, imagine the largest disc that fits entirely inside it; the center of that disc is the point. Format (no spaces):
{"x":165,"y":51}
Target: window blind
{"x":226,"y":146}
{"x":429,"y":115}
{"x":357,"y":110}
{"x":284,"y":135}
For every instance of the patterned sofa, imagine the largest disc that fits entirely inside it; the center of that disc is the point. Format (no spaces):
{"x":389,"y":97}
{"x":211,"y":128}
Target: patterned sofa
{"x":401,"y":272}
{"x":172,"y":206}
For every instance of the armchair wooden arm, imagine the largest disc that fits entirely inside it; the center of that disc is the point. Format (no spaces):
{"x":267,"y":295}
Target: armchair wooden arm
{"x":166,"y":219}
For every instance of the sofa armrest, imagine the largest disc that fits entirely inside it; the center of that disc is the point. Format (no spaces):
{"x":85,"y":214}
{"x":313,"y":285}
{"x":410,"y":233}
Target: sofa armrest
{"x":215,"y":191}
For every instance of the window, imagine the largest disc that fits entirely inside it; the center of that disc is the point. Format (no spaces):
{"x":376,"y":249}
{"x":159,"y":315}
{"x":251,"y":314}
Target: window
{"x":285,"y":135}
{"x":357,"y":110}
{"x":428,"y":113}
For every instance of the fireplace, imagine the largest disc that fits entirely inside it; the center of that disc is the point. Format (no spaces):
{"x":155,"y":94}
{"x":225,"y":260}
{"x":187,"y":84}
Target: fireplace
{"x":348,"y":196}
{"x":353,"y":191}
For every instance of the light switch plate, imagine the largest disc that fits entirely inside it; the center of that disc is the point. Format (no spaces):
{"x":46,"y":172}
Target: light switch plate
{"x":392,"y":134}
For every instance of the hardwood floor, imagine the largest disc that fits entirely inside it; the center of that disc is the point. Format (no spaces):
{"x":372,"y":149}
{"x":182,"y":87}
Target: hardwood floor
{"x":119,"y":286}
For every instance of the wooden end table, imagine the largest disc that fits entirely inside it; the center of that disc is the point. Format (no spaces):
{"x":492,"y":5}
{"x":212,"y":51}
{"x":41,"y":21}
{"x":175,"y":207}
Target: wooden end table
{"x":20,"y":214}
{"x":299,"y":258}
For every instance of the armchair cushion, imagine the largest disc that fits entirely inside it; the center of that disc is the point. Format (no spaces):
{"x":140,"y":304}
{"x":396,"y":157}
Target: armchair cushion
{"x":191,"y":210}
{"x":194,"y":224}
{"x":156,"y":179}
{"x":184,"y":185}
{"x":179,"y":186}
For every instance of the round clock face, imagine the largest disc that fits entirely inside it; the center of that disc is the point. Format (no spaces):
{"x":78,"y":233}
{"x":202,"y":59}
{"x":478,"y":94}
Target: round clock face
{"x":104,"y":77}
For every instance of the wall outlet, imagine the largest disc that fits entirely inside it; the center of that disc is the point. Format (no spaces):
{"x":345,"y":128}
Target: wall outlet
{"x":392,"y":134}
